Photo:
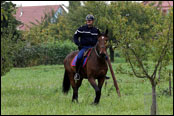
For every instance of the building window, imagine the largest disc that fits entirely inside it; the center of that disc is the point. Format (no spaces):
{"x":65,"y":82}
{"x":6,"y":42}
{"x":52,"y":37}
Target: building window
{"x":58,"y":12}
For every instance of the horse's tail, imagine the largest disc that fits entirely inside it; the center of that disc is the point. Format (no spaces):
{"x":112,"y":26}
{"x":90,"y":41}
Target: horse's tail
{"x":66,"y":83}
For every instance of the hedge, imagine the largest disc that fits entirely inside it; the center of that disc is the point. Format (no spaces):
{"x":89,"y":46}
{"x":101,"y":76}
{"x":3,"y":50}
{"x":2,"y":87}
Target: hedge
{"x":44,"y":54}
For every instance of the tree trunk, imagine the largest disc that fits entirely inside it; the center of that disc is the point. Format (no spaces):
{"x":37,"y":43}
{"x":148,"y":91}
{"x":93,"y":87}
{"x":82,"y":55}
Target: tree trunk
{"x":154,"y":105}
{"x":111,"y":54}
{"x":170,"y":91}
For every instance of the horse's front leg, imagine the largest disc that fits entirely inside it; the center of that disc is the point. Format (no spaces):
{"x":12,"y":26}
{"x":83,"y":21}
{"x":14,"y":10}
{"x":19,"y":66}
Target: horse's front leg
{"x":97,"y":90}
{"x":100,"y":84}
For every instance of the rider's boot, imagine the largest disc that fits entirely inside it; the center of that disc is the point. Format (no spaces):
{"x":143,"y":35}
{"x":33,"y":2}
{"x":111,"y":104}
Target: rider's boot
{"x":77,"y":75}
{"x":107,"y":77}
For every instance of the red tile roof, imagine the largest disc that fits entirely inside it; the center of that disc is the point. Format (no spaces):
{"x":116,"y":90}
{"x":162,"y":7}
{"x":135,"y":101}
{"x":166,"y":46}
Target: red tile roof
{"x":31,"y":13}
{"x":165,"y":4}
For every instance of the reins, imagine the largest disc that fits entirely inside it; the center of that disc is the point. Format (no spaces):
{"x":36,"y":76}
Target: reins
{"x":96,"y":52}
{"x":95,"y":49}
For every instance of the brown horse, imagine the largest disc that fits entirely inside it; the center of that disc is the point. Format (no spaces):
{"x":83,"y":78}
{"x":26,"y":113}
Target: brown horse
{"x":96,"y":68}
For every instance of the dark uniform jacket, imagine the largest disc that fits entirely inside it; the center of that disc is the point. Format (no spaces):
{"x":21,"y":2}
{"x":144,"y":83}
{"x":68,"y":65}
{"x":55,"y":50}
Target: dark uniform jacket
{"x":88,"y":36}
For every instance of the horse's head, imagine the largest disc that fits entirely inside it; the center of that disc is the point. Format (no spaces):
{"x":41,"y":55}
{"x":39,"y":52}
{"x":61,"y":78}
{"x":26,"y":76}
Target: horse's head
{"x":102,"y":43}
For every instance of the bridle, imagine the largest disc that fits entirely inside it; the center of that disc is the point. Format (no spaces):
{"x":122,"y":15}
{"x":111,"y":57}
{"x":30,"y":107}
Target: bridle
{"x":96,"y":45}
{"x":95,"y":49}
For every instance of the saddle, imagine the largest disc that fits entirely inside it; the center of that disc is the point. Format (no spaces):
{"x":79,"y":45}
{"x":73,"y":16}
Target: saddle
{"x":85,"y":58}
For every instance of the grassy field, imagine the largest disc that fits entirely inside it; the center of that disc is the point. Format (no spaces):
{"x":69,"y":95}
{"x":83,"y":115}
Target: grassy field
{"x":38,"y":90}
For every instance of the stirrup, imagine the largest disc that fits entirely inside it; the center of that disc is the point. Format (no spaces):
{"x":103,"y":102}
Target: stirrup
{"x":77,"y":76}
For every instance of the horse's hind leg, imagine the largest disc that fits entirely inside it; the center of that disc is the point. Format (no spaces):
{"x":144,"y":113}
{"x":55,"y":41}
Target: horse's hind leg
{"x":75,"y":87}
{"x":97,"y":90}
{"x":75,"y":90}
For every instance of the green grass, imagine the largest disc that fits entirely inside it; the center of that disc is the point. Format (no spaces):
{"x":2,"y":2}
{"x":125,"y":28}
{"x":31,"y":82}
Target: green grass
{"x":38,"y":91}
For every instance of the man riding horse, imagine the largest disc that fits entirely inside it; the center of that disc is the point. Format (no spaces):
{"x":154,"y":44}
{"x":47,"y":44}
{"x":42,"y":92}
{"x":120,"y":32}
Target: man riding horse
{"x":88,"y":38}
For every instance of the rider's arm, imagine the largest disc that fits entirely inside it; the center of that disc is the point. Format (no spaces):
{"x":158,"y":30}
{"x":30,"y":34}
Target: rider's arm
{"x":76,"y":37}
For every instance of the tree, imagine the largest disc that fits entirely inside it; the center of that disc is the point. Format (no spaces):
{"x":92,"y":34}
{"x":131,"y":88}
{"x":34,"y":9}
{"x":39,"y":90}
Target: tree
{"x":73,"y":5}
{"x":145,"y":36}
{"x":10,"y":36}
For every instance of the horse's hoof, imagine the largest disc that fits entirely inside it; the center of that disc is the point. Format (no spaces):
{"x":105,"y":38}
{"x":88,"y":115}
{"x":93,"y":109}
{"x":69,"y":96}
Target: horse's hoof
{"x":75,"y":101}
{"x":93,"y":103}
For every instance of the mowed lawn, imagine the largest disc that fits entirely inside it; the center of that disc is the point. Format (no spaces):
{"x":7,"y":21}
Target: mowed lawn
{"x":38,"y":90}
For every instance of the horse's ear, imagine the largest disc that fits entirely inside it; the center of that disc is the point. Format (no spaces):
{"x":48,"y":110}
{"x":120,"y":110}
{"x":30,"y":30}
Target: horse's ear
{"x":106,"y":32}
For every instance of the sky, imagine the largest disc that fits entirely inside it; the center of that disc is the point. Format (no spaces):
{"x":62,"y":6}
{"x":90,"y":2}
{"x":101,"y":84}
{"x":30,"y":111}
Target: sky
{"x":38,"y":3}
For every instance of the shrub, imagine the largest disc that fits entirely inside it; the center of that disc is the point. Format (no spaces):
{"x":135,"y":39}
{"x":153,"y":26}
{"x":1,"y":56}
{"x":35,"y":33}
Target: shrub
{"x":44,"y":54}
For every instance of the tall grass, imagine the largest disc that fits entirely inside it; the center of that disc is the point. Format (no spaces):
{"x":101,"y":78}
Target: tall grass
{"x":38,"y":91}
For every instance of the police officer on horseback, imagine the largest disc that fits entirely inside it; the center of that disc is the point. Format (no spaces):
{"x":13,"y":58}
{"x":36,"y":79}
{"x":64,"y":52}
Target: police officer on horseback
{"x":88,"y":38}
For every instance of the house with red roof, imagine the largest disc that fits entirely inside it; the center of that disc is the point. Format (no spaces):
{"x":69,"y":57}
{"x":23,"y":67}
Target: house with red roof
{"x":165,"y":5}
{"x":30,"y":14}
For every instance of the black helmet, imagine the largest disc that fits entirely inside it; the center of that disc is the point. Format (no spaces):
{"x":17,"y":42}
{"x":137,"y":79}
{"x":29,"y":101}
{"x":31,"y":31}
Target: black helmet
{"x":89,"y":17}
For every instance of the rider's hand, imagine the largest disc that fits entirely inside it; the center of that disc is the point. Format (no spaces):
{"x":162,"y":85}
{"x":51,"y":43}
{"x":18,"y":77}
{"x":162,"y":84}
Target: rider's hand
{"x":79,"y":47}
